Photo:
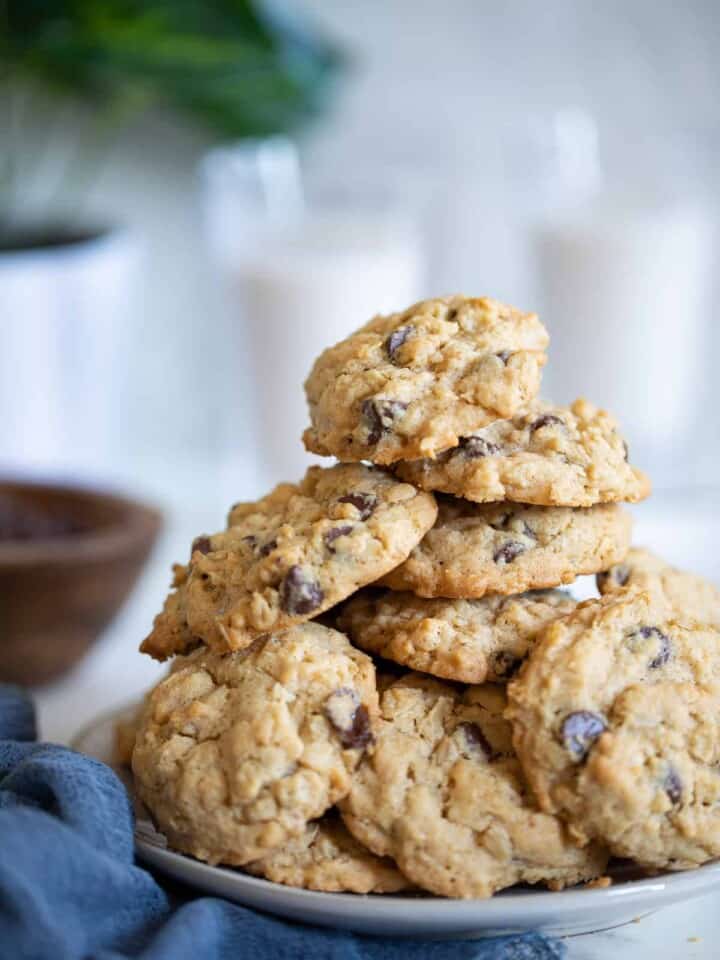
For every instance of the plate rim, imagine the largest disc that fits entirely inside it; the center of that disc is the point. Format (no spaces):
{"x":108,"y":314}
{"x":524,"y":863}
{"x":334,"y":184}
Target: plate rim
{"x":573,"y":900}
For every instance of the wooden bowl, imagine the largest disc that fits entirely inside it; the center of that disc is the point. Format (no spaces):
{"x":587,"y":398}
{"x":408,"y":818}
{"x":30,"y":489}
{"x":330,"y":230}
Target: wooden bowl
{"x":68,"y":559}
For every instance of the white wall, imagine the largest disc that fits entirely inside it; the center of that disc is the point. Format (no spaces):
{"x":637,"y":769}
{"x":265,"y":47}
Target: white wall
{"x":465,"y":65}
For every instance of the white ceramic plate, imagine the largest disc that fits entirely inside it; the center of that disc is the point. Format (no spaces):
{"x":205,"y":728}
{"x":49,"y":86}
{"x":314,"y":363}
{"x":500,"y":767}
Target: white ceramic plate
{"x":579,"y":910}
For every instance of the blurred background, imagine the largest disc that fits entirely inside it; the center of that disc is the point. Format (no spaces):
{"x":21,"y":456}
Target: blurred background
{"x":197,"y":196}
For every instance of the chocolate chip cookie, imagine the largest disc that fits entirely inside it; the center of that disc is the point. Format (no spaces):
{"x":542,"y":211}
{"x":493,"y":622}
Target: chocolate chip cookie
{"x":615,"y":720}
{"x":411,"y":384}
{"x":170,"y":634}
{"x":475,"y":549}
{"x":464,"y":640}
{"x":237,"y":752}
{"x":442,"y":793}
{"x":689,"y":594}
{"x":565,"y":456}
{"x":327,"y":857}
{"x":300,"y":550}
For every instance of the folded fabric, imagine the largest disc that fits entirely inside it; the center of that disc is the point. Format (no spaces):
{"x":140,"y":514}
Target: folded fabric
{"x":69,"y":887}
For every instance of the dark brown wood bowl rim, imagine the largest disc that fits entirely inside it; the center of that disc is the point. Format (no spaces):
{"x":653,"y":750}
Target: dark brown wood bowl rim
{"x":136,"y":524}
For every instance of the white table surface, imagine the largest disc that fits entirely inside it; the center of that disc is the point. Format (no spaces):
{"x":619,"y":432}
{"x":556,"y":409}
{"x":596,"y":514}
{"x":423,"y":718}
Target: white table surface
{"x":684,"y":528}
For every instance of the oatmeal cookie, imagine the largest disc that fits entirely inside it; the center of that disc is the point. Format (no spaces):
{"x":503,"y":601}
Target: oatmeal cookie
{"x":327,"y":857}
{"x":475,"y":549}
{"x":411,"y":384}
{"x":170,"y":634}
{"x":562,"y":456}
{"x":237,"y":752}
{"x":615,"y":720}
{"x":300,"y":550}
{"x":442,"y":793}
{"x":469,"y":641}
{"x":688,"y":593}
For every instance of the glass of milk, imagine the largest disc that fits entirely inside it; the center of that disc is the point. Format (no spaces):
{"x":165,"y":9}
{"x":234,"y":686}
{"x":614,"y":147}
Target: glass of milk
{"x":626,"y":294}
{"x":304,"y":260}
{"x":624,"y":259}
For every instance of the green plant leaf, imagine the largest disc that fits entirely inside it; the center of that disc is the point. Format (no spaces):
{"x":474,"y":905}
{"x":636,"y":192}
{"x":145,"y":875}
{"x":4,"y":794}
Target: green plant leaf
{"x":226,"y":65}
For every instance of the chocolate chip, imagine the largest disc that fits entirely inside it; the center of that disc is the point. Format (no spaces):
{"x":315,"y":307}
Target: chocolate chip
{"x":508,"y":552}
{"x":546,"y":420}
{"x":503,"y":522}
{"x":672,"y":785}
{"x":360,"y":733}
{"x":528,"y":531}
{"x":331,"y":535}
{"x":476,"y":740}
{"x":580,"y":731}
{"x":251,"y":540}
{"x":268,"y":547}
{"x":374,"y":422}
{"x":475,"y":447}
{"x":601,"y":579}
{"x":201,"y":544}
{"x":619,"y":574}
{"x":626,"y":451}
{"x":380,"y":415}
{"x":504,"y":355}
{"x":364,"y":503}
{"x":350,"y":718}
{"x":396,"y":339}
{"x":298,"y":594}
{"x":451,"y":314}
{"x":504,"y":664}
{"x":664,"y":646}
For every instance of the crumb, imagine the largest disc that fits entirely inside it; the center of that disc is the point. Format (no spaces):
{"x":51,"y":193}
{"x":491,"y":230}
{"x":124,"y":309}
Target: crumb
{"x":636,"y":919}
{"x":599,"y":883}
{"x":694,"y":939}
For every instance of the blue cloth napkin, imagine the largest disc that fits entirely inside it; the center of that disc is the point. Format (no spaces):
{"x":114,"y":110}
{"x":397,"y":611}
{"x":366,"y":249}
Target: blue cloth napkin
{"x":69,"y":887}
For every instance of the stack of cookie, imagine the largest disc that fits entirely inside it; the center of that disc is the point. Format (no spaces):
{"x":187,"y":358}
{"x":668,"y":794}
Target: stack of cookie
{"x":375,"y":683}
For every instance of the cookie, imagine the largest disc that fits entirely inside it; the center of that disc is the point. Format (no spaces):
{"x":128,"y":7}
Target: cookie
{"x":469,"y":641}
{"x":688,"y":593}
{"x":410,"y":384}
{"x":170,"y":634}
{"x":615,"y":720}
{"x":652,"y":786}
{"x":442,"y":793}
{"x":300,"y":550}
{"x":236,"y":753}
{"x":562,"y":456}
{"x":475,"y":549}
{"x":327,"y":857}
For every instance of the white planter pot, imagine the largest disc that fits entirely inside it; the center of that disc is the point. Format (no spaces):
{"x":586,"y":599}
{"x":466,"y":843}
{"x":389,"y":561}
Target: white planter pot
{"x":63,"y":312}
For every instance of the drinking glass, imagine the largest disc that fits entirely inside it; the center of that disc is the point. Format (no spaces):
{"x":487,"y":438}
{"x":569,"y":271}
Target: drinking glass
{"x":305,"y":257}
